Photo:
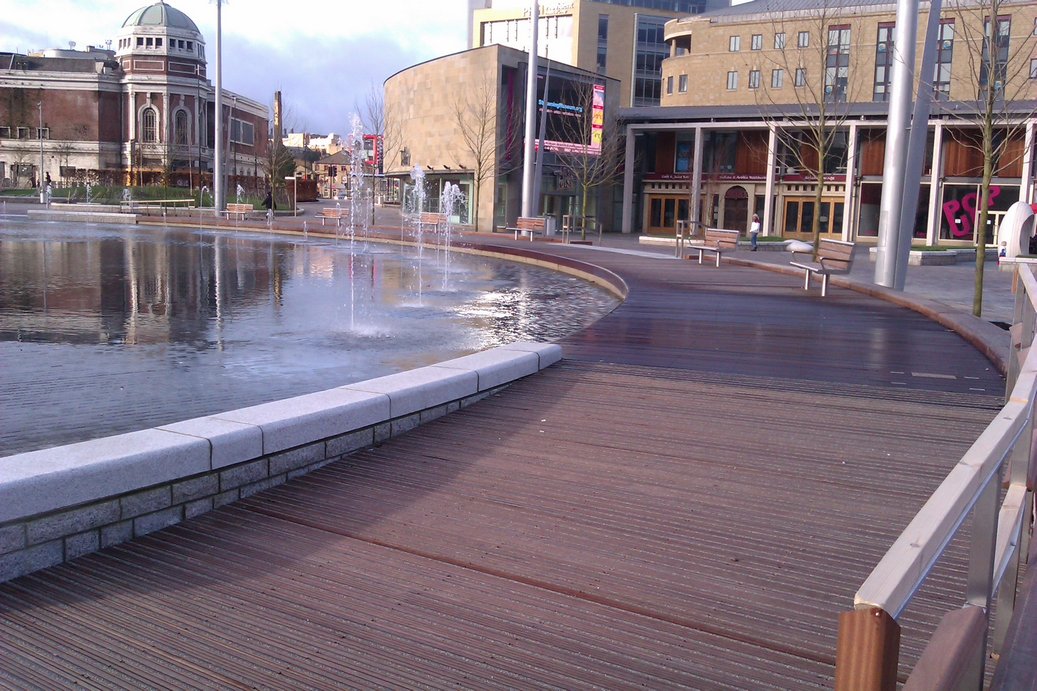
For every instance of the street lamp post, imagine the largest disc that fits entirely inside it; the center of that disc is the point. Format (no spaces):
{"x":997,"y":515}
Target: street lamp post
{"x":295,"y":200}
{"x":39,"y":135}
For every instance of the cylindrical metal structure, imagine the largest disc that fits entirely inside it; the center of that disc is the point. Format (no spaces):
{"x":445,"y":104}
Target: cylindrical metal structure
{"x":916,"y":146}
{"x":219,"y":199}
{"x":528,"y":167}
{"x":893,"y":168}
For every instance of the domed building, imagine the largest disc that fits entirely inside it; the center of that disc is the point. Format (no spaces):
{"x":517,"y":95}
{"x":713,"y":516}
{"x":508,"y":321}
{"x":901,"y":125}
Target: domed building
{"x":143,"y":113}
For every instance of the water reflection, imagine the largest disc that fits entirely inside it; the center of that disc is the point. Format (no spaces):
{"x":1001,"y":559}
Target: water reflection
{"x":104,"y":330}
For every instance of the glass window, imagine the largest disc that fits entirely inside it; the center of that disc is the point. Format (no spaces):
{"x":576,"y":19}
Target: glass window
{"x":682,"y":84}
{"x":754,"y":79}
{"x":837,"y":63}
{"x":734,"y":44}
{"x":149,"y":125}
{"x":777,"y":79}
{"x":1033,"y":68}
{"x":944,"y":56}
{"x":732,"y":81}
{"x":779,"y":40}
{"x":803,"y":40}
{"x":801,"y":76}
{"x":995,"y":60}
{"x":883,"y":61}
{"x":669,"y":84}
{"x":603,"y":41}
{"x":650,"y":51}
{"x":180,"y":128}
{"x":757,"y":42}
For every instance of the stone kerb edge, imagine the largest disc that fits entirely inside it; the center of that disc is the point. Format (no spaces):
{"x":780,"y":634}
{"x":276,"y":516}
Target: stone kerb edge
{"x":100,"y":492}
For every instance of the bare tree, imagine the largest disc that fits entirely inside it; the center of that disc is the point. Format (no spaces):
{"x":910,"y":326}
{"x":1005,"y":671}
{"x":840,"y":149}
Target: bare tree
{"x":812,"y":79}
{"x":475,"y":111}
{"x":998,"y":74}
{"x":594,"y":148}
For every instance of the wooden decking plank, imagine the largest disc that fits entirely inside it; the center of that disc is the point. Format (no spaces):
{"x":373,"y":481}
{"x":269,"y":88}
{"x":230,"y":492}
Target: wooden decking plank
{"x":688,"y":499}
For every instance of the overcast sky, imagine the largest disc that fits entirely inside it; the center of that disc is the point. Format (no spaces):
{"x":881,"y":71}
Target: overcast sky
{"x":323,"y":55}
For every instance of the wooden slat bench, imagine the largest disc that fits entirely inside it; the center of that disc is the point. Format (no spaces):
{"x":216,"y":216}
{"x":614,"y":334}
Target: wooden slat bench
{"x":717,"y":241}
{"x":337,"y":214}
{"x":833,"y":257}
{"x":239,"y":211}
{"x":431,"y":218}
{"x":533,"y":225}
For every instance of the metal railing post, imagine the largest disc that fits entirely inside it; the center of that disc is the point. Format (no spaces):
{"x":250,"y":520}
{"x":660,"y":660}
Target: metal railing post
{"x":868,"y":651}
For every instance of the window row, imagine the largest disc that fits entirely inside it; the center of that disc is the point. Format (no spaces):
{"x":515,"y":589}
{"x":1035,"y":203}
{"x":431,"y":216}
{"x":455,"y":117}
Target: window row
{"x":734,"y":43}
{"x":24,"y":132}
{"x":777,"y":79}
{"x":156,"y":42}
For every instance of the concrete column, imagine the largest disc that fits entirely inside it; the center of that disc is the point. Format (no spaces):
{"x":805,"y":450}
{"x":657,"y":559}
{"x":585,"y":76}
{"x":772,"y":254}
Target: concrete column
{"x":528,"y":164}
{"x":851,"y":184}
{"x":897,"y":134}
{"x":772,"y":169}
{"x":932,"y":235}
{"x":696,"y":181}
{"x":628,"y":182}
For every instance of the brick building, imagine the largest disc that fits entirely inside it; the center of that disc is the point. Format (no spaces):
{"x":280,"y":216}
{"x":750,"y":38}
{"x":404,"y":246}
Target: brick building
{"x":143,"y":113}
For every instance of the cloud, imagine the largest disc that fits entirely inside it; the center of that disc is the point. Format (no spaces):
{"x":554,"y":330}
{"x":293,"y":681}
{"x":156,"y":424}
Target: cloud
{"x":322,"y":55}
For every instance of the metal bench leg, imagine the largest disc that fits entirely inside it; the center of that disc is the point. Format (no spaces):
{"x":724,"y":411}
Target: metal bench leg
{"x":700,"y":256}
{"x":824,"y":284}
{"x":718,"y":260}
{"x":806,"y":279}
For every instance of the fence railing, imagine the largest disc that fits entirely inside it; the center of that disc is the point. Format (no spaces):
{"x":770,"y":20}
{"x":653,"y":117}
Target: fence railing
{"x":993,"y":485}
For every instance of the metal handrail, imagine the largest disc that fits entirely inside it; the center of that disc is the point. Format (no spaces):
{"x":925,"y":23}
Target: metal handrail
{"x":972,"y":488}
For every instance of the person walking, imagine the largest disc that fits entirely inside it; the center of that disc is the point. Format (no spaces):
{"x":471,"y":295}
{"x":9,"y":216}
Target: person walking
{"x":754,"y":231}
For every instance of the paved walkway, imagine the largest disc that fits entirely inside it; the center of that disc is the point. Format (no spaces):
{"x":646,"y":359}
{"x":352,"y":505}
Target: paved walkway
{"x":688,"y":499}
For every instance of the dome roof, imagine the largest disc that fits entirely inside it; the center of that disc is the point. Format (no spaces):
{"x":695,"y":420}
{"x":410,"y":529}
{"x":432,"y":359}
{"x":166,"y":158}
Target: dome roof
{"x":160,"y":14}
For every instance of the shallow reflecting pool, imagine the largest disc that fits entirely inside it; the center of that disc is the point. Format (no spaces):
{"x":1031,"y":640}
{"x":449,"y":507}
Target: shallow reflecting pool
{"x":107,"y":329}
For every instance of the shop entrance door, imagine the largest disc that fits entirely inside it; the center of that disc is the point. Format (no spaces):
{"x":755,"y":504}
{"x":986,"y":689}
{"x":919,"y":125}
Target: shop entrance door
{"x":798,"y":219}
{"x":663,"y":214}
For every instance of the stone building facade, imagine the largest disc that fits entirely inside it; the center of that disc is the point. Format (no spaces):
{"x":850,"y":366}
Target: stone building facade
{"x":743,"y":84}
{"x":141,"y":113}
{"x":430,"y":105}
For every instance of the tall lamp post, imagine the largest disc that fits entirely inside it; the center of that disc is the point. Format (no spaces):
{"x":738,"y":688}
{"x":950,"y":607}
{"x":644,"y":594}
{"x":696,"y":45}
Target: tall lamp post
{"x":219,"y":200}
{"x":39,"y":135}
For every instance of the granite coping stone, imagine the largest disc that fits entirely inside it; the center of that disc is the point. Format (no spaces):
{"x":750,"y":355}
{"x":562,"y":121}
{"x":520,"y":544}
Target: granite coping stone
{"x":418,"y":389}
{"x":231,"y":442}
{"x":495,"y":367}
{"x":303,"y":419}
{"x":49,"y":480}
{"x":41,"y":481}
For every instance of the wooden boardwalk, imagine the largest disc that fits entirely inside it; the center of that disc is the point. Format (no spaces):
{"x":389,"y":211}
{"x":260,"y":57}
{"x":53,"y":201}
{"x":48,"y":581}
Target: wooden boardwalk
{"x":688,"y":499}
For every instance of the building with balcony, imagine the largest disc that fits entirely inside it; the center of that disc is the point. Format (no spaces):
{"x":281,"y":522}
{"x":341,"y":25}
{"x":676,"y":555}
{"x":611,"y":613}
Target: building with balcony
{"x":744,"y":86}
{"x":141,"y":113}
{"x":622,"y":39}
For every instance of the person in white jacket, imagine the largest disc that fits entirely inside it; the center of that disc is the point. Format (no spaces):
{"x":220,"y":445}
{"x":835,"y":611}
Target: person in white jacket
{"x":754,"y":231}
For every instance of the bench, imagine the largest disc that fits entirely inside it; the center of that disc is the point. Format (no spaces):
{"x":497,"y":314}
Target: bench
{"x":718,"y":241}
{"x":239,"y":211}
{"x":534,"y":225}
{"x":337,"y":213}
{"x":431,"y":218}
{"x":832,"y":257}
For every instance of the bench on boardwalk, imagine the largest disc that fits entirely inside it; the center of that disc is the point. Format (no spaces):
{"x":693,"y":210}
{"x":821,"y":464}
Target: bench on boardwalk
{"x":532,"y":225}
{"x":430,"y":218}
{"x":337,"y":214}
{"x":833,"y":257}
{"x":717,"y":241}
{"x":238,"y":211}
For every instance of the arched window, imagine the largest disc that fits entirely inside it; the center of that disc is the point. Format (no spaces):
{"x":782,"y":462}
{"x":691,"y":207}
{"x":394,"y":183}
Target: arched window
{"x":149,"y":125}
{"x":180,"y":128}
